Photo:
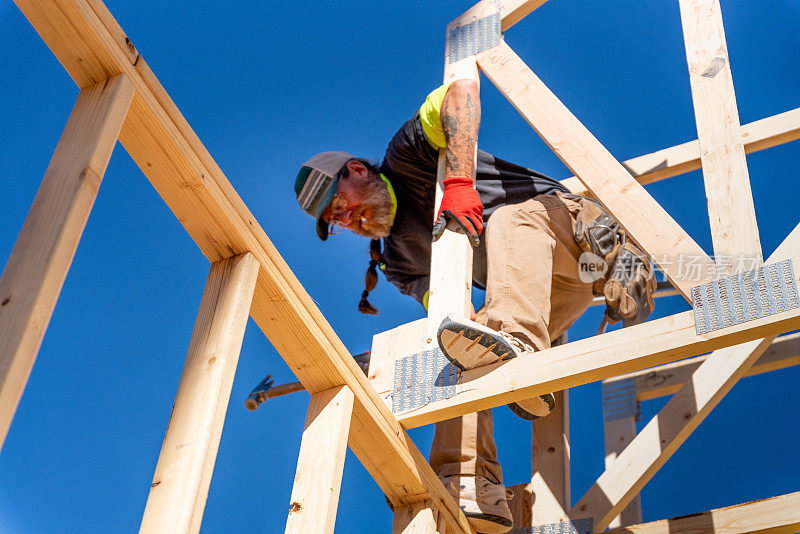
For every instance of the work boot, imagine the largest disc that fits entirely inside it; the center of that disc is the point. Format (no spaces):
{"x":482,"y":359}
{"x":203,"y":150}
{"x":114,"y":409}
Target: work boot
{"x":468,"y":345}
{"x":484,"y":502}
{"x":535,"y":408}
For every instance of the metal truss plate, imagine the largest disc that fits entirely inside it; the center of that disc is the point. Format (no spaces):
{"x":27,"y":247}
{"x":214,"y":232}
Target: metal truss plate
{"x":619,"y":400}
{"x":422,"y":378}
{"x":744,"y":297}
{"x":577,"y":526}
{"x":477,"y":36}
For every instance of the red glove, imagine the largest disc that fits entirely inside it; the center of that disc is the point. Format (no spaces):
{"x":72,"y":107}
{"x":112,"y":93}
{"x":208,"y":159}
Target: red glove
{"x":461,"y":204}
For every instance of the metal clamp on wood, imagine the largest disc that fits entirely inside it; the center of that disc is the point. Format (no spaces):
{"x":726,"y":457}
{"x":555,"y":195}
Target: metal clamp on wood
{"x":619,"y":400}
{"x":577,"y":526}
{"x":477,"y":36}
{"x":745,"y":297}
{"x":422,"y":378}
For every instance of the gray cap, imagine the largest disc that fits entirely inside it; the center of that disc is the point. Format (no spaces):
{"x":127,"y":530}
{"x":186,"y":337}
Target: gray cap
{"x":316,"y":184}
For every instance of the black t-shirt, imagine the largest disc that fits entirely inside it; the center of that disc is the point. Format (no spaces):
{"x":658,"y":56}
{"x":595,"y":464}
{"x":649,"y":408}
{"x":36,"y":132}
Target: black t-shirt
{"x":410,"y":165}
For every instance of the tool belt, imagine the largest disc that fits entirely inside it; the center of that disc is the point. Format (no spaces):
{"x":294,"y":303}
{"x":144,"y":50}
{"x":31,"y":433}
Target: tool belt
{"x":629,"y":281}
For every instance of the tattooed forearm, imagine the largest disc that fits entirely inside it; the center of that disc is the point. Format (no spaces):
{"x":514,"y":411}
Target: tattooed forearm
{"x":450,"y":127}
{"x":461,"y":117}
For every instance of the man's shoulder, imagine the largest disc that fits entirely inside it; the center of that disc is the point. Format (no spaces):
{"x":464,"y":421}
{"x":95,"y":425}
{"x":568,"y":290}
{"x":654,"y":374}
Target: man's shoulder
{"x":409,"y":156}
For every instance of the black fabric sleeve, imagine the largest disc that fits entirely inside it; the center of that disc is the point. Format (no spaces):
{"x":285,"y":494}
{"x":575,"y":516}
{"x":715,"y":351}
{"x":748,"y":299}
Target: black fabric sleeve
{"x":414,"y":286}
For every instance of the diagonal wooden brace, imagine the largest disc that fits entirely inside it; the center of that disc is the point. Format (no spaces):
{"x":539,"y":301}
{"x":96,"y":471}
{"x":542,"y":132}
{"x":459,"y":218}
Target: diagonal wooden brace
{"x":643,"y":218}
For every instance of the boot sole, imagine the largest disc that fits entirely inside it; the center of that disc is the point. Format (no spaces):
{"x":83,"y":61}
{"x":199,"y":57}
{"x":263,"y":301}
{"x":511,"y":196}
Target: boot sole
{"x":468,"y":347}
{"x":548,"y":404}
{"x":489,"y":524}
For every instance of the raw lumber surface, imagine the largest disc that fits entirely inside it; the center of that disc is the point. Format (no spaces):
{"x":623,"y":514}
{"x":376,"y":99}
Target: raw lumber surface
{"x":661,"y":437}
{"x":183,"y":475}
{"x":734,"y":231}
{"x":182,"y":171}
{"x":644,"y":219}
{"x":778,"y":515}
{"x":320,"y":464}
{"x":668,"y":379}
{"x":42,"y":255}
{"x":675,"y":160}
{"x":580,"y":362}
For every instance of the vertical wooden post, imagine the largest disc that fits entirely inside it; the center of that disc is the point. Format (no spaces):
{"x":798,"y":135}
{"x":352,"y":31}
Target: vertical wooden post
{"x":545,"y":500}
{"x":416,"y":518}
{"x":315,"y":494}
{"x":42,"y":255}
{"x":183,"y":474}
{"x":451,"y":255}
{"x":734,"y":231}
{"x":618,"y":434}
{"x":550,"y":465}
{"x":449,"y":290}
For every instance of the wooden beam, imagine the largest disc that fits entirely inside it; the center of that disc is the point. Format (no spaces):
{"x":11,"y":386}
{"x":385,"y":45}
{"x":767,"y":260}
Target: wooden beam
{"x":734,"y":230}
{"x":580,"y":362}
{"x":448,"y":294}
{"x":175,"y":161}
{"x":778,"y":515}
{"x":451,"y":273}
{"x":451,"y":255}
{"x":513,"y":11}
{"x":183,"y":474}
{"x":644,"y":219}
{"x":765,"y":133}
{"x":618,"y":433}
{"x":668,"y":379}
{"x":550,"y":465}
{"x":390,"y":346}
{"x":42,"y":255}
{"x":320,"y":464}
{"x":667,"y":431}
{"x":651,"y":383}
{"x":416,"y":518}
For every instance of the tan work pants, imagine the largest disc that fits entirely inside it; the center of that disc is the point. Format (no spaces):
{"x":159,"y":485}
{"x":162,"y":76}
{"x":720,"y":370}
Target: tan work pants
{"x":533,"y":291}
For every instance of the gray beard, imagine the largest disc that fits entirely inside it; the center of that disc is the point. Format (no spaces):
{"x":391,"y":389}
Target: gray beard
{"x":376,"y":197}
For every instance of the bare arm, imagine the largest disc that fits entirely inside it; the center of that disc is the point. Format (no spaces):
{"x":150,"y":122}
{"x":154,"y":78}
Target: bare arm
{"x":461,"y":118}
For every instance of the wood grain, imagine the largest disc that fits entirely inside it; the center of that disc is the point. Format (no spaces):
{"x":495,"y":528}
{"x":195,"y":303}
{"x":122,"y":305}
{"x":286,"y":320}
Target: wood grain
{"x":43,"y":252}
{"x":183,"y":474}
{"x":734,"y":230}
{"x":643,"y":218}
{"x":172,"y":157}
{"x":320,"y":464}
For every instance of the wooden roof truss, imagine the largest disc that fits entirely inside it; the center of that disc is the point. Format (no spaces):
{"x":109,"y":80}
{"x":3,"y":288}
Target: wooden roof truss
{"x":121,"y":98}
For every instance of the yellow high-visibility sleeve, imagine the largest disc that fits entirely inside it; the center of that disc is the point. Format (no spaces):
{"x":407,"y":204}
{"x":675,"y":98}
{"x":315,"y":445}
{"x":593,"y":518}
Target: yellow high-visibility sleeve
{"x":429,"y":113}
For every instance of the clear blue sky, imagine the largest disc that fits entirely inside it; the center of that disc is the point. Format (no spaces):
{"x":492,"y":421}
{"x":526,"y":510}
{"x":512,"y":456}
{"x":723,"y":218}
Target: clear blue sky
{"x":266,"y":85}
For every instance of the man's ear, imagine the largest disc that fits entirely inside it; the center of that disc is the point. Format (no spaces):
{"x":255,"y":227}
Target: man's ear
{"x":356,"y":168}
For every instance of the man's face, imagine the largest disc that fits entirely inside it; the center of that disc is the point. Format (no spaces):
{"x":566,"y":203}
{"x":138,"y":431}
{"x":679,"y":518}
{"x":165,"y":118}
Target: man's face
{"x":362,"y":203}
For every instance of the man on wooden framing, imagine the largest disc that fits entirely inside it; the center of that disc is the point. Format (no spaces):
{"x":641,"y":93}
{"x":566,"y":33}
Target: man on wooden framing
{"x":534,"y":259}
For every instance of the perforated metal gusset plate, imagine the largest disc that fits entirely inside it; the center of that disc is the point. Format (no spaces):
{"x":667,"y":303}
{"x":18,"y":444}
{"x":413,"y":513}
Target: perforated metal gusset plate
{"x":619,"y":400}
{"x":578,"y":526}
{"x":477,"y":36}
{"x":744,"y":297}
{"x":422,"y":378}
